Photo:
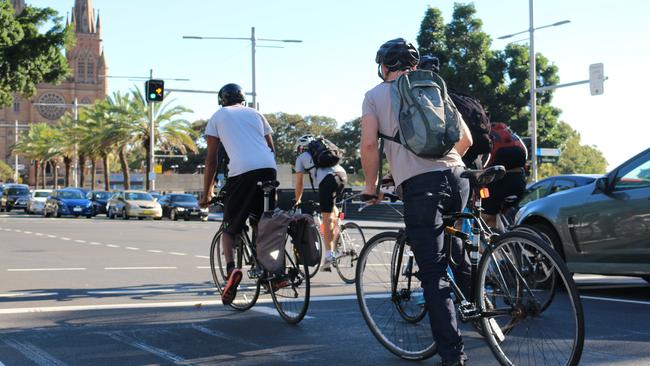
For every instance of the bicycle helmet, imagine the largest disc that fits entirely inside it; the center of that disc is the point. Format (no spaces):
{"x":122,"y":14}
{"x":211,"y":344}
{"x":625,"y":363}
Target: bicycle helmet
{"x":397,"y":54}
{"x":428,"y":62}
{"x":231,"y":94}
{"x":304,"y":140}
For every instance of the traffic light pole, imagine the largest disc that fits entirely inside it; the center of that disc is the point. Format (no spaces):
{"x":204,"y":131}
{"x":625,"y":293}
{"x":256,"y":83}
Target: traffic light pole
{"x":150,"y":174}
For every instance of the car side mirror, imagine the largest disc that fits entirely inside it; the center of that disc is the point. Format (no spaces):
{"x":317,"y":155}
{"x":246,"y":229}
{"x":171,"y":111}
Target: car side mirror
{"x":603,"y":185}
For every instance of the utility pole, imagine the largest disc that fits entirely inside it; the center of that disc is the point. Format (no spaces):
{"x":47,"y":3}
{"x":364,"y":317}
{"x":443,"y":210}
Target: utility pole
{"x":150,"y":174}
{"x":533,"y":92}
{"x":16,"y":127}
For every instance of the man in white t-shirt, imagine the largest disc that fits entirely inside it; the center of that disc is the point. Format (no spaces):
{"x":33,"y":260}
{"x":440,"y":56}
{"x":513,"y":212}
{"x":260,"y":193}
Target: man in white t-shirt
{"x":246,"y":137}
{"x":330,"y":182}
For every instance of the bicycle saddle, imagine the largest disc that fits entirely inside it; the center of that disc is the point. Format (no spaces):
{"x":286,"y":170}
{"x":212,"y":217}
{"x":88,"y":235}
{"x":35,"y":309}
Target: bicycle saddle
{"x":269,"y":185}
{"x":481,"y":178}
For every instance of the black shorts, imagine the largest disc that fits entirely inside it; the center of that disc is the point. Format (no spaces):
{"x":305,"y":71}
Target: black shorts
{"x":244,"y":198}
{"x":512,"y":184}
{"x":328,"y":190}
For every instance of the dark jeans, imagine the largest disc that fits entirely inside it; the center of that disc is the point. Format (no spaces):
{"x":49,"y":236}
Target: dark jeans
{"x":426,"y":198}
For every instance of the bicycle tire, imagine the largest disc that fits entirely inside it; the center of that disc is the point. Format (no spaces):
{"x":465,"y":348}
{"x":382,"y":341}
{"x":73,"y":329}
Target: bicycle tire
{"x":291,"y":301}
{"x":248,"y":290}
{"x":402,"y":268}
{"x":525,"y":316}
{"x":374,"y":289}
{"x":348,"y":247}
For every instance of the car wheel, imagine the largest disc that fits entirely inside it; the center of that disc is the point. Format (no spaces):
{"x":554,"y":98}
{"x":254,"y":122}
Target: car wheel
{"x":158,"y":218}
{"x":89,"y":216}
{"x":8,"y":208}
{"x":204,"y":219}
{"x":58,"y":214}
{"x":45,"y":213}
{"x":173,"y":215}
{"x":140,"y":218}
{"x":547,"y":231}
{"x":109,"y":214}
{"x":125,"y":216}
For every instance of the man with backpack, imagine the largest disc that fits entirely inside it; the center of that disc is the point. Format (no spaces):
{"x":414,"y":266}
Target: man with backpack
{"x":430,"y":180}
{"x":247,"y":139}
{"x":510,"y":151}
{"x":319,"y":159}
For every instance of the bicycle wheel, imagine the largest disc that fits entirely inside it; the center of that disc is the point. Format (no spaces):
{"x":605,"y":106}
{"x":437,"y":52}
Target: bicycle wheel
{"x":520,"y":331}
{"x":384,"y":297}
{"x":249,"y":288}
{"x":348,"y":247}
{"x":290,"y":290}
{"x":410,"y":304}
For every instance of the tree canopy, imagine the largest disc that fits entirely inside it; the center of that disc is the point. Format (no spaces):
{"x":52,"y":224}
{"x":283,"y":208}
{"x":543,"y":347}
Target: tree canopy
{"x":27,"y":56}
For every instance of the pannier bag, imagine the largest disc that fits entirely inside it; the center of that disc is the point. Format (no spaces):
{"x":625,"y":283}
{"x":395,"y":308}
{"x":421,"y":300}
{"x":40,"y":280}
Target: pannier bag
{"x":304,"y":234}
{"x":271,"y":238}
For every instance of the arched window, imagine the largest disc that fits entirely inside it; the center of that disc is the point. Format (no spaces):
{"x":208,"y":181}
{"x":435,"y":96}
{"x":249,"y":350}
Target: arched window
{"x":81,"y":70}
{"x":91,"y":71}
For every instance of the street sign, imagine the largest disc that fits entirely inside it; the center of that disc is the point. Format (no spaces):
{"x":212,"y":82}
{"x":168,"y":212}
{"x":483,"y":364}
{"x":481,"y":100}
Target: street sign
{"x":157,"y":169}
{"x":152,"y":176}
{"x":541,"y":151}
{"x":548,"y":159}
{"x":596,"y":78}
{"x":20,"y":167}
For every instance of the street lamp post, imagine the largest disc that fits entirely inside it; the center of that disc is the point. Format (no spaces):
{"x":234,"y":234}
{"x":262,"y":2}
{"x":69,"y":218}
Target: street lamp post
{"x":16,"y":126}
{"x":533,"y":80}
{"x":254,"y":45}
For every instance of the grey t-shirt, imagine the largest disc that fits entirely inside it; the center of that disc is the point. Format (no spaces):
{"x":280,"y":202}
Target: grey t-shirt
{"x":304,"y":164}
{"x":242,"y":130}
{"x":403,"y":163}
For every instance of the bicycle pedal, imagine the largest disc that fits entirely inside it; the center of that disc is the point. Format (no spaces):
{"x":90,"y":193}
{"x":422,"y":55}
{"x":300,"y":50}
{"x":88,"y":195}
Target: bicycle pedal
{"x":468,"y":312}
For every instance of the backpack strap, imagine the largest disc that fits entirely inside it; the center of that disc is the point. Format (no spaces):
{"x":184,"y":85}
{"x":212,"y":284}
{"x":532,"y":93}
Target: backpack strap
{"x":311,"y":180}
{"x":381,"y":165}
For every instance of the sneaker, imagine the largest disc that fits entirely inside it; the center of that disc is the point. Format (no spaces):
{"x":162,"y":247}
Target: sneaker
{"x":230,"y":291}
{"x":329,"y":262}
{"x":276,"y":285}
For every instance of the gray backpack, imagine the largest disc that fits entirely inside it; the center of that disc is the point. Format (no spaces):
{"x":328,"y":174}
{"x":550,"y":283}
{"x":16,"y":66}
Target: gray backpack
{"x":429,"y":124}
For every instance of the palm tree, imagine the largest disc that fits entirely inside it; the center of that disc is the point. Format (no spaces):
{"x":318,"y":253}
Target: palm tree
{"x":98,"y":140}
{"x":123,"y":117}
{"x":36,"y":144}
{"x":67,"y":136}
{"x":171,"y":132}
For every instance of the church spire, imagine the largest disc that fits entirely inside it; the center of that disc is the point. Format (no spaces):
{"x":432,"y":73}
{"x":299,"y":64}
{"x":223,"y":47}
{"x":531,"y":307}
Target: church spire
{"x":98,"y":24}
{"x":83,"y":16}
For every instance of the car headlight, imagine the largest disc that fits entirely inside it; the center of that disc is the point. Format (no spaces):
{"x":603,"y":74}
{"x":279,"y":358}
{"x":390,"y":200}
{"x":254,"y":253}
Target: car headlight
{"x":180,"y":209}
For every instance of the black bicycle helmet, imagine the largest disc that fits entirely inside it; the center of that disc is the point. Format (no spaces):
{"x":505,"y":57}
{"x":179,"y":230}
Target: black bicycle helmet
{"x":397,"y":54}
{"x":428,"y":62}
{"x":231,"y":94}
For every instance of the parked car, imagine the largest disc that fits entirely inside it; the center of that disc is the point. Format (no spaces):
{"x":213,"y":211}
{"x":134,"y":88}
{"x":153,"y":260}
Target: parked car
{"x":602,"y":227}
{"x":127,"y":204}
{"x":558,"y":183}
{"x":14,"y":196}
{"x":99,"y":200}
{"x":184,"y":206}
{"x":37,"y":200}
{"x":68,"y":202}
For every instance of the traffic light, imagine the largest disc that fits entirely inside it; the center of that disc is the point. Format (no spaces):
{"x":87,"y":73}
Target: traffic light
{"x":154,"y":90}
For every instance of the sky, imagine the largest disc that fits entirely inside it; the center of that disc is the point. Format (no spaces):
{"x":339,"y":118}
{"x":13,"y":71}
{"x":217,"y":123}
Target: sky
{"x":329,"y":72}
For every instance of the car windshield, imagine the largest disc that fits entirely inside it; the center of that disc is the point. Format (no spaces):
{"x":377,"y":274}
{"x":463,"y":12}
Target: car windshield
{"x":71,"y":195}
{"x":138,"y":197}
{"x":18,"y":191}
{"x":184,"y":198}
{"x":41,"y":194}
{"x":102,"y":195}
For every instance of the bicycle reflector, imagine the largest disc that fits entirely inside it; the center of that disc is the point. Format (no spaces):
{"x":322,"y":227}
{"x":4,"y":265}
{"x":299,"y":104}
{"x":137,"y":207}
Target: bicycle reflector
{"x":484,"y":192}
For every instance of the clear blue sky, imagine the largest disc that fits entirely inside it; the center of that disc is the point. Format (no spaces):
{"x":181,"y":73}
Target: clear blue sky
{"x":331,"y":70}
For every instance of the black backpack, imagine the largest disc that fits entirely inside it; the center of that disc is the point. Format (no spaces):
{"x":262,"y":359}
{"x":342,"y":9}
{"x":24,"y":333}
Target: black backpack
{"x":324,"y":153}
{"x":478,"y":122}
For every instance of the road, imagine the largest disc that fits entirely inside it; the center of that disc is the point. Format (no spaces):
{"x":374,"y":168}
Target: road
{"x":113,"y":292}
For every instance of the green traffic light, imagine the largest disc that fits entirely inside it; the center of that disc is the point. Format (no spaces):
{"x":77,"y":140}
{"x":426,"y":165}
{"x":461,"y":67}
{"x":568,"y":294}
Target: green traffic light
{"x":152,"y":96}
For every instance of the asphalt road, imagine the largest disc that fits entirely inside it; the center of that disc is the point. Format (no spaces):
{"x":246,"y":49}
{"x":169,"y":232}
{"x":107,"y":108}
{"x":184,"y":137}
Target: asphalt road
{"x":112,"y":292}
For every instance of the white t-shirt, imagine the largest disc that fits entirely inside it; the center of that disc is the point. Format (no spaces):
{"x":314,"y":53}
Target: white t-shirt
{"x":305,"y":164}
{"x":242,"y":130}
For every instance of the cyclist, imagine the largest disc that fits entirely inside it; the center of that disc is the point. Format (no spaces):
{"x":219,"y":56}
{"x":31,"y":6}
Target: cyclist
{"x":247,"y":139}
{"x":429,"y":188}
{"x":331,"y":182}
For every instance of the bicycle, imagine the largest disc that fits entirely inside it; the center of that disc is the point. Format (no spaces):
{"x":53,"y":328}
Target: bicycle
{"x":289,"y":290}
{"x":508,"y":311}
{"x":348,"y":242}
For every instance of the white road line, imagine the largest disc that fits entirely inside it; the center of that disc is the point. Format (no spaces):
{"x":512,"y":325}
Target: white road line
{"x":51,"y":236}
{"x":2,"y":364}
{"x":132,"y":248}
{"x":64,"y":238}
{"x":27,"y":232}
{"x":44,"y":269}
{"x":126,"y":292}
{"x":271,"y":311}
{"x":616,"y":300}
{"x":202,"y":256}
{"x":112,"y":246}
{"x":128,"y":268}
{"x":37,"y":355}
{"x":18,"y":231}
{"x":80,"y":241}
{"x":94,"y":243}
{"x":38,"y":234}
{"x":177,"y":253}
{"x":154,"y":251}
{"x":7,"y":229}
{"x":28,"y":294}
{"x":202,"y":267}
{"x":134,"y":342}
